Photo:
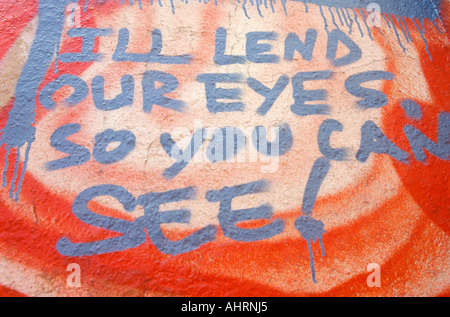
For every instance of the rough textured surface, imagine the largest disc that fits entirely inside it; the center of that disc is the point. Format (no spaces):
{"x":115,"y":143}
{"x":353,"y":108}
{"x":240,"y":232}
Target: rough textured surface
{"x":225,"y":148}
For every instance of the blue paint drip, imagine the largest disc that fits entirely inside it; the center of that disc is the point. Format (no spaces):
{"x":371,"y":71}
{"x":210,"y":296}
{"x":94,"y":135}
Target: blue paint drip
{"x":407,"y":29}
{"x":332,"y":18}
{"x":306,"y":6}
{"x":422,"y":34}
{"x":346,"y":21}
{"x":324,"y":19}
{"x":365,"y":22}
{"x":357,"y":23}
{"x":339,"y":16}
{"x":258,"y":3}
{"x":283,"y":2}
{"x":437,"y":28}
{"x":72,"y":16}
{"x":24,"y":168}
{"x":387,"y":21}
{"x":378,"y":29}
{"x":5,"y":168}
{"x":245,"y":9}
{"x":398,"y":36}
{"x":350,"y":27}
{"x":57,"y":58}
{"x":271,"y":5}
{"x":421,"y":9}
{"x":310,"y":228}
{"x":16,"y":170}
{"x":403,"y":30}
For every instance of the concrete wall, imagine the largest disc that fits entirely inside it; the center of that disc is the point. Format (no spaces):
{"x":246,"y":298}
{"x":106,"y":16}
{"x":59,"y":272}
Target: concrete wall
{"x":226,"y":148}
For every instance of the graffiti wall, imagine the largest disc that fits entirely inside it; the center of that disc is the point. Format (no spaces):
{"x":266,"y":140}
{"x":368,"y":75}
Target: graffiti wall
{"x":224,"y":148}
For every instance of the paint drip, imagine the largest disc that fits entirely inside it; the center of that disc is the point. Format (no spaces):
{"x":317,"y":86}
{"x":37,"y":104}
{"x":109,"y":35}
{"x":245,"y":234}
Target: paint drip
{"x":311,"y":230}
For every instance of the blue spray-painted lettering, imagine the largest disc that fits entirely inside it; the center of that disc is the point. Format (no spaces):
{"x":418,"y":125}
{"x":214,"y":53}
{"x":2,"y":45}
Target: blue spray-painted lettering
{"x":87,"y":54}
{"x":133,"y":233}
{"x":80,"y":91}
{"x":354,"y":54}
{"x":293,"y":43}
{"x":219,"y":57}
{"x":182,"y":157}
{"x":154,"y":218}
{"x":228,"y":218}
{"x":310,"y":228}
{"x":102,"y":140}
{"x":326,"y":129}
{"x":373,"y":140}
{"x":213,"y":93}
{"x":254,"y":49}
{"x":301,"y":95}
{"x":78,"y":154}
{"x":155,"y":96}
{"x":279,"y":147}
{"x":412,"y":109}
{"x":270,"y":95}
{"x":154,"y":56}
{"x":125,"y":98}
{"x":418,"y":141}
{"x":371,"y":98}
{"x":225,"y":144}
